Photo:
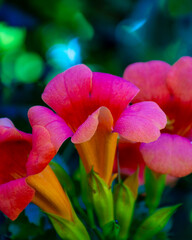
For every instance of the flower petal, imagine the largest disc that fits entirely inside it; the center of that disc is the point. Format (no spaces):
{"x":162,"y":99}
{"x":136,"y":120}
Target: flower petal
{"x":42,"y":151}
{"x":150,"y":78}
{"x":113,"y":92}
{"x":130,"y":159}
{"x":15,"y":196}
{"x":141,"y":122}
{"x":86,"y":131}
{"x":57,"y":128}
{"x":77,"y":93}
{"x":49,"y":194}
{"x":5,"y":122}
{"x":170,"y":154}
{"x":180,"y":79}
{"x":68,"y":93}
{"x":8,"y":132}
{"x":15,"y":146}
{"x":98,"y":152}
{"x":14,"y":155}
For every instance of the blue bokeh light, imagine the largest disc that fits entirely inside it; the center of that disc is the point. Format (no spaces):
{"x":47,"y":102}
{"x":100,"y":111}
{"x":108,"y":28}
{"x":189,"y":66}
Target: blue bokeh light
{"x":65,"y":55}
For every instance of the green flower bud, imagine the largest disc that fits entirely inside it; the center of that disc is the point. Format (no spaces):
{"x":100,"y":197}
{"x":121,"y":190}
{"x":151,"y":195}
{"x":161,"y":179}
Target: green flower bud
{"x":132,"y":182}
{"x":124,"y":202}
{"x":69,"y":230}
{"x":102,"y":198}
{"x":154,"y":186}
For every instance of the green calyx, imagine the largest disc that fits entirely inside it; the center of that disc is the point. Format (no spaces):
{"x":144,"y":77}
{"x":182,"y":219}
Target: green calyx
{"x":102,"y":198}
{"x":124,"y":202}
{"x":69,"y":230}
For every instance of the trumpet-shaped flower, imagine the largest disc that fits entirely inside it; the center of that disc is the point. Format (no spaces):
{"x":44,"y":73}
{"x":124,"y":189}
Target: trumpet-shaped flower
{"x":19,"y":185}
{"x":170,"y":87}
{"x":130,"y":159}
{"x":93,"y":108}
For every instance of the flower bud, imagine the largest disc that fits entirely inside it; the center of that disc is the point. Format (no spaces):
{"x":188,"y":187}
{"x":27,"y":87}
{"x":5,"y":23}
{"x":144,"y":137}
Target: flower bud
{"x":69,"y":229}
{"x":102,"y":198}
{"x":124,"y":202}
{"x":154,"y":186}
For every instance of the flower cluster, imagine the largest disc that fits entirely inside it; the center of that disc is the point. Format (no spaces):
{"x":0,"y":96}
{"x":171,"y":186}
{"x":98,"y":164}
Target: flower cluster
{"x":169,"y":87}
{"x":108,"y":119}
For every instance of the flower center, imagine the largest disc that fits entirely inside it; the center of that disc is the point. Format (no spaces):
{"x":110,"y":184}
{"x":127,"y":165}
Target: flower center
{"x":170,"y":124}
{"x":14,"y":155}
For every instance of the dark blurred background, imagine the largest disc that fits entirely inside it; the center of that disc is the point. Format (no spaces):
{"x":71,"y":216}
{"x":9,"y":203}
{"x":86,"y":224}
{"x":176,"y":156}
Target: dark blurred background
{"x":41,"y":38}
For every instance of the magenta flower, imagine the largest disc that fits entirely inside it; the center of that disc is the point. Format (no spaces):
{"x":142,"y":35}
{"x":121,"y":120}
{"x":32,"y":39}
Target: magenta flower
{"x":19,"y":183}
{"x":130,"y":159}
{"x":170,"y":87}
{"x":93,"y":108}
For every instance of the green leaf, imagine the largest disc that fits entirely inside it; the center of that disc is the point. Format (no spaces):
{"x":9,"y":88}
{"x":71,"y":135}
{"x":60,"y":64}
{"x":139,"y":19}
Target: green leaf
{"x":155,"y":223}
{"x":68,"y":230}
{"x":154,"y":186}
{"x":63,"y":178}
{"x":86,"y":194}
{"x":21,"y":228}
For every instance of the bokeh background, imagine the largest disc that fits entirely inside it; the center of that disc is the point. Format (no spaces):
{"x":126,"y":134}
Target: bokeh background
{"x":41,"y":38}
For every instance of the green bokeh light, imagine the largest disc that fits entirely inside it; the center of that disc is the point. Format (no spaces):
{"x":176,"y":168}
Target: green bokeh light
{"x":11,"y":37}
{"x":28,"y":67}
{"x":7,"y":67}
{"x":83,"y":27}
{"x":179,"y":7}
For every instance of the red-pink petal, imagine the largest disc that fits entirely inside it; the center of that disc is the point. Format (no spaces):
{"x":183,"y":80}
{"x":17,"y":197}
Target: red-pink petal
{"x":113,"y":92}
{"x":77,"y":93}
{"x":42,"y":151}
{"x":170,"y":154}
{"x":141,"y":122}
{"x":130,"y":159}
{"x":68,"y":93}
{"x":8,"y":132}
{"x":15,"y":196}
{"x":15,"y":146}
{"x":180,"y":79}
{"x":150,"y":78}
{"x":56,"y":126}
{"x":5,"y":122}
{"x":88,"y":128}
{"x":13,"y":155}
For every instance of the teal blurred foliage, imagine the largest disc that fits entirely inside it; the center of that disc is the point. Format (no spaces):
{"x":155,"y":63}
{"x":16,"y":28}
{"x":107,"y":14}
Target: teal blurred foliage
{"x":41,"y":38}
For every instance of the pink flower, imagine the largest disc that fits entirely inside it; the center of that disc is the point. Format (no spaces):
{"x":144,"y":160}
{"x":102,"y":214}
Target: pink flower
{"x":93,"y":108}
{"x":19,"y":183}
{"x":130,"y":159}
{"x":170,"y":87}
